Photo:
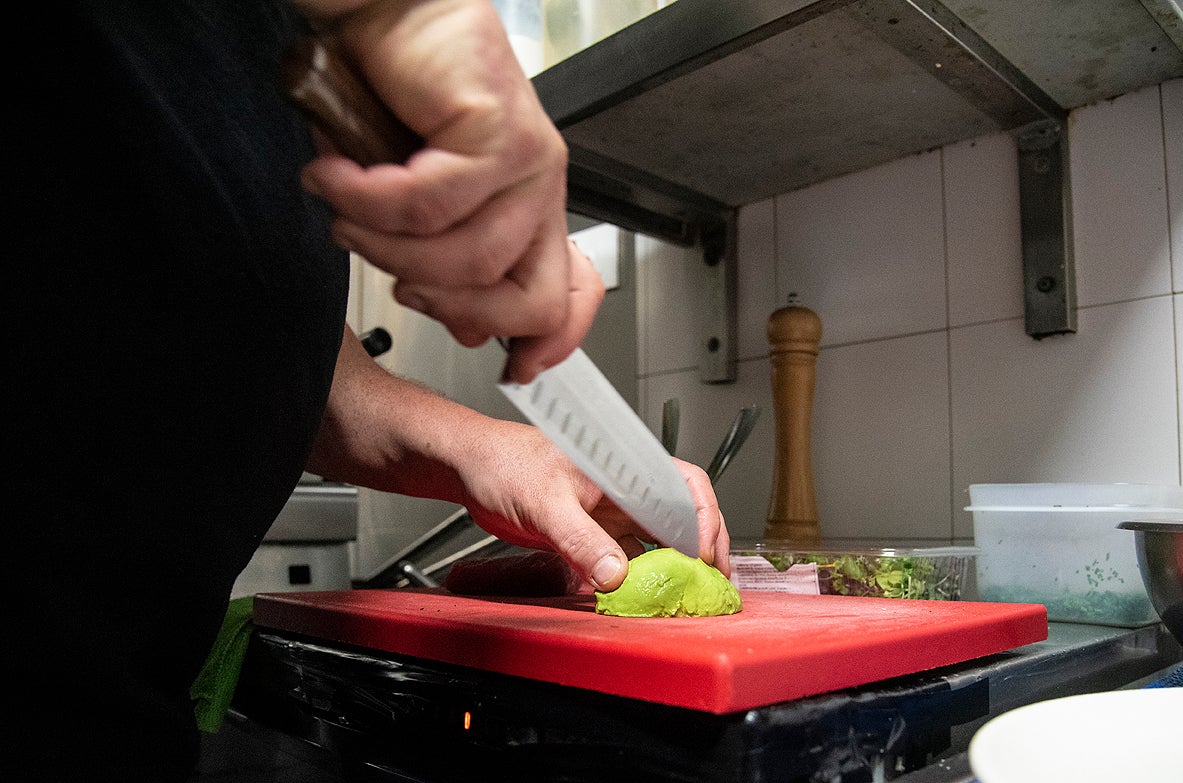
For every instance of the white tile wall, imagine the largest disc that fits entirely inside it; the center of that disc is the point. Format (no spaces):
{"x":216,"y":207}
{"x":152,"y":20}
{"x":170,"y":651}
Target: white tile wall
{"x":1100,"y":405}
{"x":707,"y":412}
{"x":1119,"y":199}
{"x":872,"y":271}
{"x":984,"y":254}
{"x":756,"y":289}
{"x":881,"y":438}
{"x":1172,"y":124}
{"x":1178,"y":300}
{"x":926,"y":379}
{"x":669,"y":279}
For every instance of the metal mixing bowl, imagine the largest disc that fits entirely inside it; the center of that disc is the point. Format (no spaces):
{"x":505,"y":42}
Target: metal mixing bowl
{"x":1160,"y":558}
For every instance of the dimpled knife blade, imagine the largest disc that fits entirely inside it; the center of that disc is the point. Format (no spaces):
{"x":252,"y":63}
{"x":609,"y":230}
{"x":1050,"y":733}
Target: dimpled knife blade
{"x":579,"y":410}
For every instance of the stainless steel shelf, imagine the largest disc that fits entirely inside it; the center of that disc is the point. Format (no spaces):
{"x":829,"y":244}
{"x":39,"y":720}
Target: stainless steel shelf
{"x":703,"y":107}
{"x":718,"y":105}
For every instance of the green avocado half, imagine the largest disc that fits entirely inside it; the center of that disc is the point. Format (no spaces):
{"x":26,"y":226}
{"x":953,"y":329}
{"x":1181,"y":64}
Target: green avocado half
{"x":667,"y":583}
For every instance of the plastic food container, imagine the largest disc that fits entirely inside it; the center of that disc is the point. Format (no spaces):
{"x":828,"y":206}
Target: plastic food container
{"x":935,"y":573}
{"x":1058,"y":545}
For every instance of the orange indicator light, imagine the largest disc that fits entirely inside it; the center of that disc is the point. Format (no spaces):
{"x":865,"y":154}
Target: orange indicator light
{"x":467,"y":720}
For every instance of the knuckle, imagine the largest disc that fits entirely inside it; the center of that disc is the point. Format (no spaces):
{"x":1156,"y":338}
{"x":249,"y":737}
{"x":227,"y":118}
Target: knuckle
{"x":424,"y":213}
{"x":487,"y":263}
{"x":540,"y":146}
{"x":548,"y":319}
{"x":578,"y":543}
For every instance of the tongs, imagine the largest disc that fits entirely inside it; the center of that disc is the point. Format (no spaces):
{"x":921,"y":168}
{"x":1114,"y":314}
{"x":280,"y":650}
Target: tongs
{"x":741,"y":428}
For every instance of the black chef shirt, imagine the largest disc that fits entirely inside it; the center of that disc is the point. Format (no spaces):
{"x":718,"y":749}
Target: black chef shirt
{"x":172,"y":311}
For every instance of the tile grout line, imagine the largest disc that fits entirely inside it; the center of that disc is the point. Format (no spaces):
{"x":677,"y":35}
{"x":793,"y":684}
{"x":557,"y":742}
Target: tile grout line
{"x":1162,"y":119}
{"x":948,"y":344}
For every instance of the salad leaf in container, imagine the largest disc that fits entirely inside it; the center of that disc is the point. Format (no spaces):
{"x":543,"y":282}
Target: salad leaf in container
{"x":930,"y":573}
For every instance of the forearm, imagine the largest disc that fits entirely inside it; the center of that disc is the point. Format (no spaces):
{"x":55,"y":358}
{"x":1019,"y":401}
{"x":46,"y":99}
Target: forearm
{"x":390,"y":433}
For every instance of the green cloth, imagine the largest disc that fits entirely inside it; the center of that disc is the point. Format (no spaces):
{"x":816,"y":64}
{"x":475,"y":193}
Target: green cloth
{"x":214,"y":687}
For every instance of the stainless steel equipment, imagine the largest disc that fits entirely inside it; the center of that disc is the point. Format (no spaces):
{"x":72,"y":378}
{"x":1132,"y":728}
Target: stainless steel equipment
{"x":307,"y":547}
{"x":1160,"y":559}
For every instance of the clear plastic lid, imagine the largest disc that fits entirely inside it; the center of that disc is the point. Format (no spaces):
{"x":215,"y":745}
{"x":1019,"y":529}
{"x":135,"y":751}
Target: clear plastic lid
{"x":1075,"y":497}
{"x":876,"y":549}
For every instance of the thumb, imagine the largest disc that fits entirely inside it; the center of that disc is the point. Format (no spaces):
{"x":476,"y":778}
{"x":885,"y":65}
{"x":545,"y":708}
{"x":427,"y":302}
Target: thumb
{"x":589,"y":550}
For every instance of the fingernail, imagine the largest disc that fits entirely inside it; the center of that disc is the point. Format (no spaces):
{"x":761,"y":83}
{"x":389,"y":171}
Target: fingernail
{"x":524,"y":375}
{"x":607,"y":571}
{"x":516,"y":371}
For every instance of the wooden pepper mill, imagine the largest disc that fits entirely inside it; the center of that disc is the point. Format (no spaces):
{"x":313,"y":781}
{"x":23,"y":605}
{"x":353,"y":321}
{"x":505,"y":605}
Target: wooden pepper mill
{"x":793,"y":336}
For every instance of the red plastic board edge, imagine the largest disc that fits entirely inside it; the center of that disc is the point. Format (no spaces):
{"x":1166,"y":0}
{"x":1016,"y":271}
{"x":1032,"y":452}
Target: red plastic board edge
{"x":780,"y":647}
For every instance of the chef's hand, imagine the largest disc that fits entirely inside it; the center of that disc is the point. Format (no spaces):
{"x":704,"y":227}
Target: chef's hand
{"x":535,"y":497}
{"x":473,"y":226}
{"x":714,"y":542}
{"x":395,"y":435}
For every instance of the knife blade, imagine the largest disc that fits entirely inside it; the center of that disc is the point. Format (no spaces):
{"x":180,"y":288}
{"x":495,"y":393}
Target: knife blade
{"x":582,"y":413}
{"x":572,"y":403}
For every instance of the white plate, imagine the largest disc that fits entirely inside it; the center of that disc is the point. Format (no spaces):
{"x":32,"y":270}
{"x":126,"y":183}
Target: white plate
{"x":1134,"y":735}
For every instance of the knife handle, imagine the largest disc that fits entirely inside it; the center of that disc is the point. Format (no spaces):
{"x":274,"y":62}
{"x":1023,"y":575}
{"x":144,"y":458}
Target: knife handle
{"x":794,"y":334}
{"x":341,"y":105}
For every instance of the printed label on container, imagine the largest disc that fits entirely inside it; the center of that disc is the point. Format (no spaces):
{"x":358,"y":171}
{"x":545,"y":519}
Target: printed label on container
{"x":752,"y":572}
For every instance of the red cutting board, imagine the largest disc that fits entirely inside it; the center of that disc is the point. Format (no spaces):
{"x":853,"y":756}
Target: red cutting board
{"x":779,"y":647}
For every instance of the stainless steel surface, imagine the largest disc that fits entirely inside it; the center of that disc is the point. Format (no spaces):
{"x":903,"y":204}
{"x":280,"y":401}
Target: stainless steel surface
{"x":741,"y":428}
{"x":285,"y":566}
{"x":1081,"y":51}
{"x":1160,"y":559}
{"x":954,"y":767}
{"x":1075,"y":658}
{"x":671,"y":418}
{"x":577,"y":408}
{"x":317,"y":511}
{"x":394,"y":570}
{"x":416,"y":576}
{"x":740,"y":102}
{"x":1168,"y":15}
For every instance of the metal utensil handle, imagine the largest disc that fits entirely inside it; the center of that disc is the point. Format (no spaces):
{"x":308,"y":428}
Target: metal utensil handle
{"x":342,"y":106}
{"x":670,"y":418}
{"x":741,"y":428}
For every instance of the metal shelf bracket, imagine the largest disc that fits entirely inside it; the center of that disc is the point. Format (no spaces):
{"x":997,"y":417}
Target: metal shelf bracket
{"x":717,"y":355}
{"x":608,"y":190}
{"x":1045,"y":209}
